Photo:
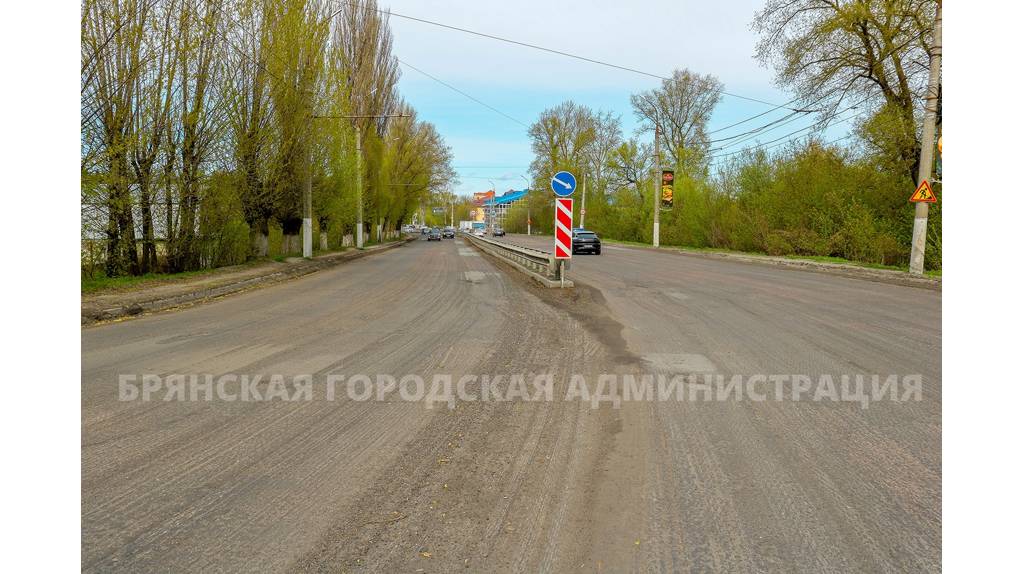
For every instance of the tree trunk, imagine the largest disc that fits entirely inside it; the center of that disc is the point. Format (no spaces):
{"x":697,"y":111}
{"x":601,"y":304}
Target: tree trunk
{"x":148,"y":263}
{"x":122,"y":258}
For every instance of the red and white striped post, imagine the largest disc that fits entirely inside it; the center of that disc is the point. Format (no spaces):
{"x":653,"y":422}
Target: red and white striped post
{"x":563,"y":232}
{"x":563,"y":228}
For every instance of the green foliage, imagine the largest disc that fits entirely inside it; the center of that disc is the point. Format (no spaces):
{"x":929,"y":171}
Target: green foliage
{"x":808,"y":201}
{"x":225,"y":112}
{"x":223,"y":232}
{"x":275,"y":241}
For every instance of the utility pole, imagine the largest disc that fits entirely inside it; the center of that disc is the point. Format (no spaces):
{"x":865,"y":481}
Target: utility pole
{"x":359,"y":187}
{"x":307,"y":198}
{"x":489,"y":212}
{"x":657,"y":190}
{"x":583,"y":202}
{"x":528,"y":220}
{"x":359,"y":171}
{"x":924,"y":170}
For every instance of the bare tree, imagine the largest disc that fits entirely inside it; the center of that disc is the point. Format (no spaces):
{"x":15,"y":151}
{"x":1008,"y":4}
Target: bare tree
{"x":629,"y":164}
{"x":681,"y":108}
{"x":607,"y":137}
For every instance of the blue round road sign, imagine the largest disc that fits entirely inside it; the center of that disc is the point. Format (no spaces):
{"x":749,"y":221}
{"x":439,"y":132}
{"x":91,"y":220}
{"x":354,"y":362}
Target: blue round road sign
{"x":563,"y":184}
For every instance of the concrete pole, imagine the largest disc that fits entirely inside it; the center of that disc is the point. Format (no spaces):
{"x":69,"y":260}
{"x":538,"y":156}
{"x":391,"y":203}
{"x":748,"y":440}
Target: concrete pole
{"x":924,"y":170}
{"x":583,"y":201}
{"x":307,"y":196}
{"x":656,"y":240}
{"x":528,"y":219}
{"x":489,"y":212}
{"x":359,"y":188}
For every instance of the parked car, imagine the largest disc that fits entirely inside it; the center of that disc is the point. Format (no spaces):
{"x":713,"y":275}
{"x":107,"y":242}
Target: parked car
{"x":425,"y":230}
{"x":448,"y":233}
{"x":434,"y":235}
{"x":584,"y":241}
{"x":498,"y":232}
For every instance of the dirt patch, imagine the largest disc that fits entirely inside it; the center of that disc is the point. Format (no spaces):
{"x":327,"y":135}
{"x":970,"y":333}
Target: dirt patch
{"x":586,"y":304}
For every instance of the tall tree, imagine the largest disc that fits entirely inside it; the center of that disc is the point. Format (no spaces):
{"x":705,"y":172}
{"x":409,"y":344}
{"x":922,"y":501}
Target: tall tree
{"x":249,"y":112}
{"x":154,"y":97}
{"x":298,"y":34}
{"x":681,"y":109}
{"x":561,"y":139}
{"x":112,"y":39}
{"x":199,"y":30}
{"x":365,"y":38}
{"x":840,"y":54}
{"x":607,"y":137}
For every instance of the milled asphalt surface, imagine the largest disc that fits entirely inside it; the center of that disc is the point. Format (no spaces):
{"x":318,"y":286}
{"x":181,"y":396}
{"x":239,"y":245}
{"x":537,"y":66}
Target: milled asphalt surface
{"x":520,"y":486}
{"x":774,"y":486}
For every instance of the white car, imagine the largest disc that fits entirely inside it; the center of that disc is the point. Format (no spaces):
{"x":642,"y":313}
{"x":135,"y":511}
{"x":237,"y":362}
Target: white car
{"x":479,"y":232}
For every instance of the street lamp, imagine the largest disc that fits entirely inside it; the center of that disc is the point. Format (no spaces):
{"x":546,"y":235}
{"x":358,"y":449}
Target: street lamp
{"x":490,"y":210}
{"x":528,"y":220}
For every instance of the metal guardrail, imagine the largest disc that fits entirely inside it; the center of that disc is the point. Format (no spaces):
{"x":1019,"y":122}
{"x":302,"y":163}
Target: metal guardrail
{"x":541,"y":262}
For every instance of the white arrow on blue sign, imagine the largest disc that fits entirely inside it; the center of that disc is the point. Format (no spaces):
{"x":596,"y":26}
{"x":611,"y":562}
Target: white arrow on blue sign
{"x":563,"y":184}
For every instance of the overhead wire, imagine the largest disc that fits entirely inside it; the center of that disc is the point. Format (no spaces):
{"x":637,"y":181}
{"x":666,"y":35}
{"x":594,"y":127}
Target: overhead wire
{"x":453,"y":88}
{"x":550,"y":50}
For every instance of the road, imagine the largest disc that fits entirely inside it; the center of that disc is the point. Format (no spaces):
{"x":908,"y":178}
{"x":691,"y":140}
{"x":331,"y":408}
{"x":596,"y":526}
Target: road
{"x":524,"y":486}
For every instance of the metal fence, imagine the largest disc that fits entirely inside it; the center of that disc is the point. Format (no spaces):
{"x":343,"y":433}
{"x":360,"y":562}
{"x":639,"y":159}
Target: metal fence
{"x":540,"y":262}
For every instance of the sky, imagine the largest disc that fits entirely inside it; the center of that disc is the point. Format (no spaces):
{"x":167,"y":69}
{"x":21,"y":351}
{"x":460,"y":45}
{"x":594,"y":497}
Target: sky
{"x":655,"y":37}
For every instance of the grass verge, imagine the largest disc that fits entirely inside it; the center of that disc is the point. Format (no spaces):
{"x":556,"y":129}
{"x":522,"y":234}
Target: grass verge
{"x":104,"y":283}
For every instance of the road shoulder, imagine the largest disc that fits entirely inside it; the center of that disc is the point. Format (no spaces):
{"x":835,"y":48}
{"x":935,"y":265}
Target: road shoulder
{"x":120,"y":304}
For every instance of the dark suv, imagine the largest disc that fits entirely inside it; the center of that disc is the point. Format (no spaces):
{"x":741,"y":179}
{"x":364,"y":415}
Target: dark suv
{"x":434,"y":234}
{"x":584,"y":241}
{"x":448,"y":233}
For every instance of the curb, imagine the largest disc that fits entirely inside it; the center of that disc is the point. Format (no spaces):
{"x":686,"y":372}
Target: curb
{"x":889,"y":276}
{"x":91,"y":316}
{"x":838,"y":269}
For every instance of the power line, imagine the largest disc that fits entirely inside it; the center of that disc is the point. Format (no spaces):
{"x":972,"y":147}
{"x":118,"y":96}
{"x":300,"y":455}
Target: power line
{"x":489,"y":166}
{"x":884,"y":56}
{"x":552,"y":51}
{"x":756,"y":130}
{"x":453,"y":88}
{"x":831,"y":120}
{"x":753,"y":117}
{"x":762,"y":145}
{"x":754,"y":134}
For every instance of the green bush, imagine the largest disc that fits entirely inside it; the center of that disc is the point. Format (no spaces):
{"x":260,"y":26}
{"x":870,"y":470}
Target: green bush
{"x":777,"y":243}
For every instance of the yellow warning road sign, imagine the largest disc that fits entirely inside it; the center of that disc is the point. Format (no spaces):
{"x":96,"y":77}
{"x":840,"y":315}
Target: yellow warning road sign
{"x":924,"y":193}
